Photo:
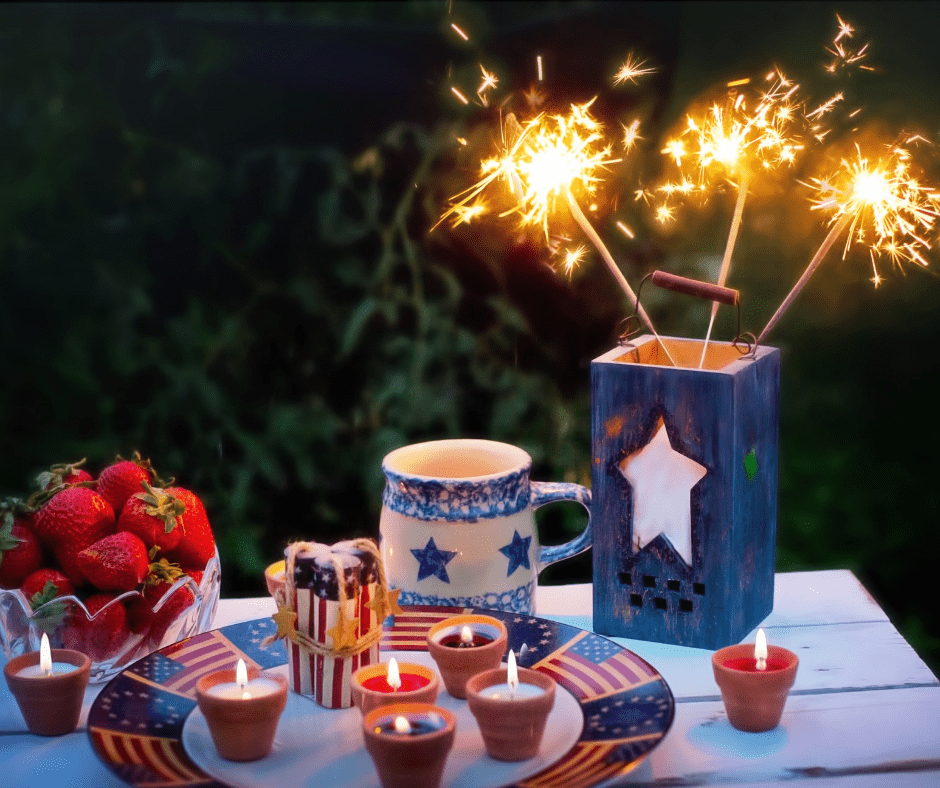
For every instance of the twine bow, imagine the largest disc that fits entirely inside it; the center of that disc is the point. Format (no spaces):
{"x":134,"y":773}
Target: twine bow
{"x":342,"y":634}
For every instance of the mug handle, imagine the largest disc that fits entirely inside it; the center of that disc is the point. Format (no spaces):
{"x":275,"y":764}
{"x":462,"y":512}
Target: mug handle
{"x":547,"y":492}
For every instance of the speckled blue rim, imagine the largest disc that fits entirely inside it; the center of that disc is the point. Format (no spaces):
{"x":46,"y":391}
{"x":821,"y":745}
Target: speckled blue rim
{"x":465,"y":499}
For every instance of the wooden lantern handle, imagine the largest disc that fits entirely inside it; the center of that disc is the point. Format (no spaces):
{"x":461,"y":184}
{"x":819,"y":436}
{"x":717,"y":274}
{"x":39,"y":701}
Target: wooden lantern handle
{"x":693,"y":287}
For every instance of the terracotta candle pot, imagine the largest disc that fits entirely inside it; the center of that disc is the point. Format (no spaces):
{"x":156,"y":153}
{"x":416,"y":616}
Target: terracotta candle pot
{"x":754,"y":699}
{"x":512,"y":727}
{"x":242,"y":728}
{"x":458,"y":664}
{"x":370,"y":689}
{"x":413,"y":759}
{"x":51,"y":705}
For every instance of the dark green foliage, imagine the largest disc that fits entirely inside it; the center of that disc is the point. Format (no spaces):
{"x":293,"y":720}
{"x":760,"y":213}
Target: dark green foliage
{"x":214,"y":248}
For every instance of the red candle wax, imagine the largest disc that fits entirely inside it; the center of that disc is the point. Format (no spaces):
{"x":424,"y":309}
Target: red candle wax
{"x":749,"y":664}
{"x":409,"y":682}
{"x":455,"y":641}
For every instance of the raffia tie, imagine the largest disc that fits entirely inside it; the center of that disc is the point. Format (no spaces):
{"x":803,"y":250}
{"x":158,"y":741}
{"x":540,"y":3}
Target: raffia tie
{"x":287,"y":596}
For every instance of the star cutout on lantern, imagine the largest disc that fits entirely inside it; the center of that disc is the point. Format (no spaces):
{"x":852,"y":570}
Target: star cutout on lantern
{"x":662,"y":480}
{"x":286,"y":621}
{"x":517,"y":552}
{"x":343,"y":633}
{"x":432,"y":561}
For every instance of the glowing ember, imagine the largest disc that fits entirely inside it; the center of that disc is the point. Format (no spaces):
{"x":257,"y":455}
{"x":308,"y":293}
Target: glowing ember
{"x":631,"y":70}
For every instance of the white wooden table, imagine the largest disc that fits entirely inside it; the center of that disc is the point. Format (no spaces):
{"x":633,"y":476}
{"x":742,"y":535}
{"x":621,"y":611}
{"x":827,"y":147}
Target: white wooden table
{"x":864,"y":712}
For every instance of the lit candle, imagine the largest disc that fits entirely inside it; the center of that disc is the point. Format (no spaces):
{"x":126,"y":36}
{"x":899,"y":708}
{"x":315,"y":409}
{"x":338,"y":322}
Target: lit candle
{"x":49,"y":687}
{"x":463,"y":646}
{"x":46,"y":667}
{"x":242,"y":713}
{"x":241,"y":688}
{"x":512,"y":688}
{"x":466,"y":638}
{"x":754,"y":683}
{"x":760,"y":661}
{"x":409,"y":743}
{"x":381,"y":685}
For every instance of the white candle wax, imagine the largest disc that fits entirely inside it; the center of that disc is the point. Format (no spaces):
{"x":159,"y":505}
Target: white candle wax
{"x":58,"y":668}
{"x":256,"y":688}
{"x":503,"y":692}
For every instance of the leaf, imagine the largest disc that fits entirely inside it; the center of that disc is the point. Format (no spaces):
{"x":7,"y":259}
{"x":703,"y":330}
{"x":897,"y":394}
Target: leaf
{"x":750,"y":464}
{"x":356,"y":325}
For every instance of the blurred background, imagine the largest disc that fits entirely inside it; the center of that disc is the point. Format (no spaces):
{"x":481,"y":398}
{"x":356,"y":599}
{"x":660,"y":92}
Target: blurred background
{"x":216,"y":249}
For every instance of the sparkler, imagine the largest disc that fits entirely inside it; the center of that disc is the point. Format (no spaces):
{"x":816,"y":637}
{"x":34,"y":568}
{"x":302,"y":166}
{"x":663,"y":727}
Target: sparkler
{"x":727,"y":143}
{"x":544,"y":161}
{"x":883,"y":206}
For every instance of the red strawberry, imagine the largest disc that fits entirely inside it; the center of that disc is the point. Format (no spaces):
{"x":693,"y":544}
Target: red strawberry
{"x":154,"y":515}
{"x":171,"y":609}
{"x":45,"y":584}
{"x":120,"y":481}
{"x":65,"y":473}
{"x":197,"y":545}
{"x":115,"y":563}
{"x":20,"y":551}
{"x":70,"y":521}
{"x":102,"y":636}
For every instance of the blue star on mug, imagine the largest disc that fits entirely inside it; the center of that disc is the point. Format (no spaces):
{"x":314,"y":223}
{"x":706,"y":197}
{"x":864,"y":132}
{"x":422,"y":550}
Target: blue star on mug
{"x":517,"y":552}
{"x":432,"y":561}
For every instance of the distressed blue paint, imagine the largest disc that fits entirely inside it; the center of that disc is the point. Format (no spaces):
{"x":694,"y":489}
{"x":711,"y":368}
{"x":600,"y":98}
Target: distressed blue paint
{"x":518,"y":600}
{"x":715,"y":418}
{"x":432,"y":561}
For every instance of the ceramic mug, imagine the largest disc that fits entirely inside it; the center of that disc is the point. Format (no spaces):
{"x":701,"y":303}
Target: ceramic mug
{"x":458,"y":527}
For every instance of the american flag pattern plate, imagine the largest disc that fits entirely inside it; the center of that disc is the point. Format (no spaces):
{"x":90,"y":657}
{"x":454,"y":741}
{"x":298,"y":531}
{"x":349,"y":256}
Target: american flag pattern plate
{"x":136,"y":722}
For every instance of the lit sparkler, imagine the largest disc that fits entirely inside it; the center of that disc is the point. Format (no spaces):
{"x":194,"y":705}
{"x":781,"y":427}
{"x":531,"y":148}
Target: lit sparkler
{"x":728,"y":142}
{"x":543,"y":162}
{"x":881,"y":204}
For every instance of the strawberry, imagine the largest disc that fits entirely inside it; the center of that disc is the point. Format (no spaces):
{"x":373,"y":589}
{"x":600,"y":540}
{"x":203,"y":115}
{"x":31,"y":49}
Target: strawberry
{"x":162,"y":576}
{"x":115,"y":563}
{"x":154,"y":516}
{"x":70,"y":521}
{"x":102,"y":635}
{"x":44,"y":585}
{"x":62,"y":474}
{"x":20,"y":551}
{"x":197,"y":544}
{"x":120,"y":481}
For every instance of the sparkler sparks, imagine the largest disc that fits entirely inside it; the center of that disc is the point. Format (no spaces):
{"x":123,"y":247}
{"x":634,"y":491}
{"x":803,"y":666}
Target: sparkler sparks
{"x":882,"y":204}
{"x":572,"y":258}
{"x":631,"y":70}
{"x":843,"y":56}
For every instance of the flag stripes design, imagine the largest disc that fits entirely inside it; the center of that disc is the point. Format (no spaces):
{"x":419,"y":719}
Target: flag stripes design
{"x":584,"y":765}
{"x":328,"y":678}
{"x":165,"y":758}
{"x":585,"y":678}
{"x":200,"y":655}
{"x":411,"y":626}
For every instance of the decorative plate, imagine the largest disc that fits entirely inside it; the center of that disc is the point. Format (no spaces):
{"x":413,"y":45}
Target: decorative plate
{"x":136,"y":722}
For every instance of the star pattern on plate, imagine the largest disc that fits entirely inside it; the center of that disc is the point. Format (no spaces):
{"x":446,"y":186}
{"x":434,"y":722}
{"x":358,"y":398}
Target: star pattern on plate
{"x":517,"y":552}
{"x":433,"y":561}
{"x":662,"y":480}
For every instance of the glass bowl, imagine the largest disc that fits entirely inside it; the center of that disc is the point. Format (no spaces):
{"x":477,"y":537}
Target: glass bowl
{"x":112,"y":638}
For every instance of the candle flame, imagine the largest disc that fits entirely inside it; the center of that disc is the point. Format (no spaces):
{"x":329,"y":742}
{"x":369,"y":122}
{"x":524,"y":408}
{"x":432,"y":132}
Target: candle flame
{"x":512,"y":674}
{"x":466,"y":635}
{"x":241,"y":678}
{"x":45,"y":655}
{"x":760,"y":650}
{"x":394,"y":678}
{"x":402,"y":725}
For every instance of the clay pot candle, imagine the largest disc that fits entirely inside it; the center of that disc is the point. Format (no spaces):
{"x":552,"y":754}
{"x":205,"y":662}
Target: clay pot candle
{"x":463,"y":646}
{"x":49,"y":687}
{"x":511,"y":707}
{"x":409,"y":743}
{"x":754,"y":683}
{"x":381,"y":685}
{"x":242,"y":709}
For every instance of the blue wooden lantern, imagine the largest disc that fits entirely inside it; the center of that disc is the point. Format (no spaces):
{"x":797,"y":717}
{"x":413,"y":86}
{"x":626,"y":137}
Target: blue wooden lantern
{"x":685,"y":491}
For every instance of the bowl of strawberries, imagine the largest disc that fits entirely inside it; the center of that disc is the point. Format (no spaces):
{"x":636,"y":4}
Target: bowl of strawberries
{"x":115,"y":566}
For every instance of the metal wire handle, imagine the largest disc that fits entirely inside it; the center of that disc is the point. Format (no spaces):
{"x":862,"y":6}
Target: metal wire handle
{"x":744,"y":342}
